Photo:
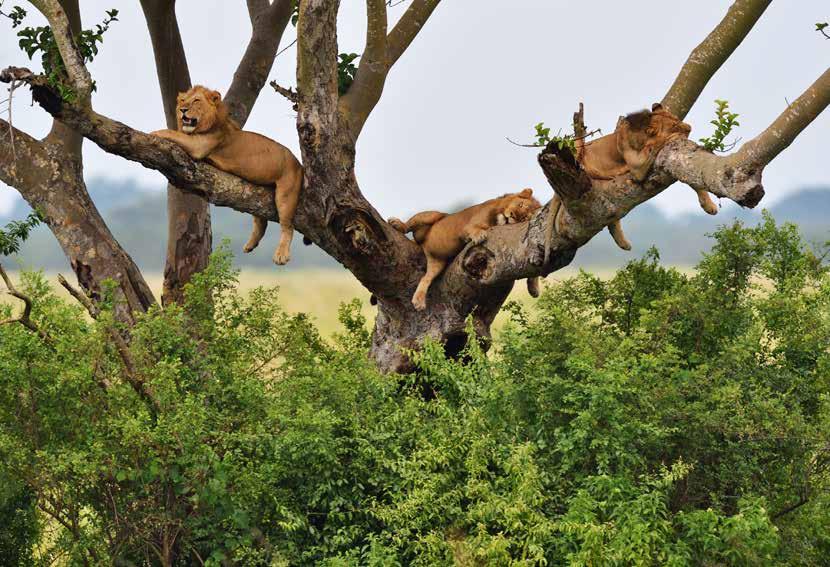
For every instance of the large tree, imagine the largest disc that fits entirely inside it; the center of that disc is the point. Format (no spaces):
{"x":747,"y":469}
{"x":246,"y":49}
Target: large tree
{"x":333,"y":212}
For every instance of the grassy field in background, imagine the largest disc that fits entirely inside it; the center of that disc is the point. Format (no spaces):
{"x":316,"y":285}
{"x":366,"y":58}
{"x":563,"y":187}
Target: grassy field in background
{"x":319,"y":292}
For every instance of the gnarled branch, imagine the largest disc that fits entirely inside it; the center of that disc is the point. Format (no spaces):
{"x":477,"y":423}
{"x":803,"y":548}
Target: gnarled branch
{"x":25,"y":318}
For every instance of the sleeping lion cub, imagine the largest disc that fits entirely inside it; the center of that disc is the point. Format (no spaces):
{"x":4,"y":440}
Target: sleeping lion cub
{"x":207,"y":132}
{"x":443,"y":236}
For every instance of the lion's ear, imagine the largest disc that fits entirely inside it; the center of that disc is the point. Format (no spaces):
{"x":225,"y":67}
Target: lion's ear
{"x":215,"y":97}
{"x":656,"y":106}
{"x":526,"y":192}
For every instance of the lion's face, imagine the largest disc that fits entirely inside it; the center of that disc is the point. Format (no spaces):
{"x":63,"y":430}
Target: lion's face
{"x":199,"y":110}
{"x":521,"y":207}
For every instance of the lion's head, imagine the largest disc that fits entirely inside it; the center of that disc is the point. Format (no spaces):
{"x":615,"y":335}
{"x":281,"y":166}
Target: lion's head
{"x":665,"y":126}
{"x":200,"y":110}
{"x":520,"y":206}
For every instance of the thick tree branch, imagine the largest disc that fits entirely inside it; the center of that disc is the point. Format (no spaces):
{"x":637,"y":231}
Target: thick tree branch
{"x":382,"y":51}
{"x":317,"y":72}
{"x":781,"y":133}
{"x":50,"y":178}
{"x":77,"y":72}
{"x":367,"y":88}
{"x":713,"y":51}
{"x":407,"y":28}
{"x":268,"y":23}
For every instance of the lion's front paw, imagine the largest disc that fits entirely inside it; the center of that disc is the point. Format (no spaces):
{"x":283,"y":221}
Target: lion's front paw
{"x":419,"y":300}
{"x":249,"y":247}
{"x":479,"y":238}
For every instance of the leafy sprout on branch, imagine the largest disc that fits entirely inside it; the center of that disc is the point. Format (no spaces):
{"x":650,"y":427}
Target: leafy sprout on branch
{"x":41,"y":40}
{"x":346,"y":71}
{"x":16,"y":15}
{"x":724,"y":122}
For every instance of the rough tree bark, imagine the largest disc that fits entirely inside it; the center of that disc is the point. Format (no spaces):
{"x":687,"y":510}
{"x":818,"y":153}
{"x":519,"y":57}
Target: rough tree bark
{"x":334,"y":214}
{"x":49,"y":176}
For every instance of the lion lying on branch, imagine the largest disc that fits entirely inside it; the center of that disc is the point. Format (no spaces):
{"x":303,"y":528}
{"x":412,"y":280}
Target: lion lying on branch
{"x":630,"y":149}
{"x":207,"y":132}
{"x":443,"y":236}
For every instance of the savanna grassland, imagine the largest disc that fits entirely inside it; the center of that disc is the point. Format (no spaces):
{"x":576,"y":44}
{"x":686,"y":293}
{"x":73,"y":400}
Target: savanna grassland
{"x":319,"y":292}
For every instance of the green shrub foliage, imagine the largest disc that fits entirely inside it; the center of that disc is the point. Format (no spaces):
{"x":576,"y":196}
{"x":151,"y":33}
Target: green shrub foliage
{"x":655,"y":418}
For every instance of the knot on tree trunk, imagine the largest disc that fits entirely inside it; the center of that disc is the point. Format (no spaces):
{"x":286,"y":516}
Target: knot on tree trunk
{"x":363,"y":232}
{"x":478,"y":262}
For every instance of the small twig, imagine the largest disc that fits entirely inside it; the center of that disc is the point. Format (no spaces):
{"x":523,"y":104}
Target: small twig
{"x":582,"y":137}
{"x":284,"y":49}
{"x":524,"y":145}
{"x":290,"y":94}
{"x":25,"y":318}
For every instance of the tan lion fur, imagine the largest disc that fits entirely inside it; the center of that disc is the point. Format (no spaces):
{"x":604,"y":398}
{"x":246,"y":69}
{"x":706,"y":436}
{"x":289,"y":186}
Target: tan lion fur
{"x":205,"y":131}
{"x":443,"y":236}
{"x":631,"y":148}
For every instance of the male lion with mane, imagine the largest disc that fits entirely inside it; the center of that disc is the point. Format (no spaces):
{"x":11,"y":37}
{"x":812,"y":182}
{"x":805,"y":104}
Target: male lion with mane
{"x":443,"y":236}
{"x":206,"y":132}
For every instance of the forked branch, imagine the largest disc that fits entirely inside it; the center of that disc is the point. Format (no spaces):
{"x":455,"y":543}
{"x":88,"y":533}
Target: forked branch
{"x":381,"y":53}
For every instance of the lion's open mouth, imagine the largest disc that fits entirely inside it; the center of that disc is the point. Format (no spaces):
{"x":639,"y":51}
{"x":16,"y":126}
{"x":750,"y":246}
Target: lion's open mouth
{"x":188,"y":124}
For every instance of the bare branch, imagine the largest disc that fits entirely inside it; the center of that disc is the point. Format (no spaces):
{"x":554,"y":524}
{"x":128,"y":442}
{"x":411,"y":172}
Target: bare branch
{"x":708,"y":57}
{"x":77,"y":72}
{"x":781,"y":133}
{"x":257,"y":8}
{"x":25,"y":318}
{"x":288,"y":93}
{"x":407,"y":28}
{"x":366,"y":90}
{"x":268,"y":24}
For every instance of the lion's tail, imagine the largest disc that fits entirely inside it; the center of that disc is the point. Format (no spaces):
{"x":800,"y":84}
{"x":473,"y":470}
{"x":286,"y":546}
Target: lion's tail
{"x":418,"y":225}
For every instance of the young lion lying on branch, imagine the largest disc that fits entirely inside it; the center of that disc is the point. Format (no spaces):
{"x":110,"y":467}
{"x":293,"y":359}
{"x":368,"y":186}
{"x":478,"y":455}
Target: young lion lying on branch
{"x":207,"y":132}
{"x":443,"y":236}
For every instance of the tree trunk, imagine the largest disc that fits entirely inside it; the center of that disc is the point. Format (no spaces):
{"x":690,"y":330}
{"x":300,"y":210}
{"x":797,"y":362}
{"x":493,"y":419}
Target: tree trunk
{"x":49,"y":176}
{"x":189,"y":233}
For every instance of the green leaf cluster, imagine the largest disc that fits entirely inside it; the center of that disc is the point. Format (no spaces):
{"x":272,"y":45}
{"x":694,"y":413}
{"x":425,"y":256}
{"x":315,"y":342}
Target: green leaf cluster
{"x":657,"y":417}
{"x":724,"y":123}
{"x":16,"y":232}
{"x":543,"y":138}
{"x":346,"y":71}
{"x":41,"y":40}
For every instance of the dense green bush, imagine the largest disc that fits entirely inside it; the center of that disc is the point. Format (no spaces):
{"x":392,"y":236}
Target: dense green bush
{"x":656,"y":418}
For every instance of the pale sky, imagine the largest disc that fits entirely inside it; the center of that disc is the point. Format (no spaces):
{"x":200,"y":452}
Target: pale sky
{"x":480,"y":71}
